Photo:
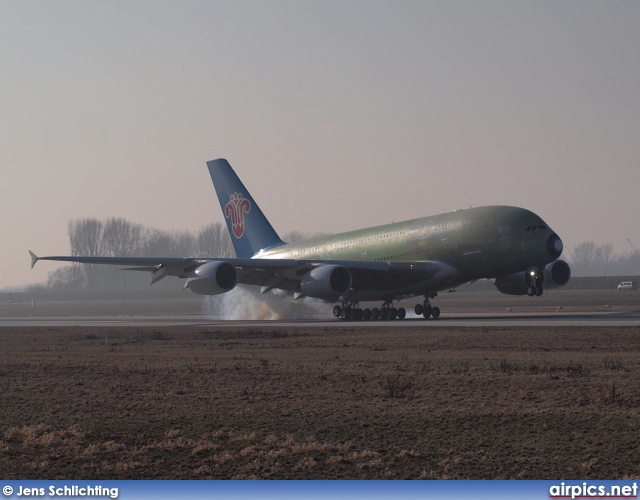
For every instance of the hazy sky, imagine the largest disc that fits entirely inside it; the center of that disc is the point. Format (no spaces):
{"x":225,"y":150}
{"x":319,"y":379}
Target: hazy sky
{"x":336,"y":114}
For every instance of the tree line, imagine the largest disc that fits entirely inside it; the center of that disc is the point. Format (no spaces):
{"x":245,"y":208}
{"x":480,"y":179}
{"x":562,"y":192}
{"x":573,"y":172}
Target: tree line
{"x":117,"y":237}
{"x":592,"y":259}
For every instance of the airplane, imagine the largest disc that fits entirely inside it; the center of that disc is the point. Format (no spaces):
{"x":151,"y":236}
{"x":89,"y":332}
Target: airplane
{"x":388,"y":263}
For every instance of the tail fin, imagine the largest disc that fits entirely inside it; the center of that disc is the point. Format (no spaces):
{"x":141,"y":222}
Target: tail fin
{"x":249,"y":229}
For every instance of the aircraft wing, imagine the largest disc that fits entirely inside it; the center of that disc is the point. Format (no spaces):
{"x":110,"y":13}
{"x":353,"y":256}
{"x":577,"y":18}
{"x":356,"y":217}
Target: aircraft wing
{"x":178,"y":266}
{"x":284,"y":274}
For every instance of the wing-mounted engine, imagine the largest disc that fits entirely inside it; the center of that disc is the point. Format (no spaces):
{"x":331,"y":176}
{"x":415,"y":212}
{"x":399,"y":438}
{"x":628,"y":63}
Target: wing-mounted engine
{"x":328,"y":282}
{"x":213,"y":278}
{"x":535,"y":280}
{"x":556,"y":274}
{"x":523,"y":283}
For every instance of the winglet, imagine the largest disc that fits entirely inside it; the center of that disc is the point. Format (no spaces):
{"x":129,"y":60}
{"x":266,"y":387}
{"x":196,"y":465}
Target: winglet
{"x":34,"y":258}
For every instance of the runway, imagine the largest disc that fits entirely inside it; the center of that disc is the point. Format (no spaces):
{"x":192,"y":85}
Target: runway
{"x":608,"y":318}
{"x":351,"y":396}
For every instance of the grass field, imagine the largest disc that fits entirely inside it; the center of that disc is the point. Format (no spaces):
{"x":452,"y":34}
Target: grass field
{"x":289,"y":402}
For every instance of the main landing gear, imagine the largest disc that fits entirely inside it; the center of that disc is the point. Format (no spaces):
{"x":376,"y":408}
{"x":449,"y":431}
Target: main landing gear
{"x":350,"y":311}
{"x":427,"y":310}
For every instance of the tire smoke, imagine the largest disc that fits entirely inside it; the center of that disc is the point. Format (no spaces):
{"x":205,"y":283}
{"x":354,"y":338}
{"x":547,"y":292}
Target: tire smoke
{"x":246,"y":303}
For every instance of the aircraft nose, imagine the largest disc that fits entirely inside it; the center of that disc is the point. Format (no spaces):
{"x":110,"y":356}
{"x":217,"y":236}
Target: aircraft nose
{"x":554,"y":245}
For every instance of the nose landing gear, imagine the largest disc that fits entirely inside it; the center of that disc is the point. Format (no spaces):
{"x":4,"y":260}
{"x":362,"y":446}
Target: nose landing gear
{"x":534,"y":279}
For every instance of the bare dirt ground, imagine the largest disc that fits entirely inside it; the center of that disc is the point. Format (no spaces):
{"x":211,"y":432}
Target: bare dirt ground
{"x":293,"y":402}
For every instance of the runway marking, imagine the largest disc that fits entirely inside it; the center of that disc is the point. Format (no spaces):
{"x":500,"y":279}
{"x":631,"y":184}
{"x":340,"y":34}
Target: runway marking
{"x":614,"y":318}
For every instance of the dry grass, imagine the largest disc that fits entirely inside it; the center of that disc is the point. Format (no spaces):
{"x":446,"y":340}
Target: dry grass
{"x":288,"y":402}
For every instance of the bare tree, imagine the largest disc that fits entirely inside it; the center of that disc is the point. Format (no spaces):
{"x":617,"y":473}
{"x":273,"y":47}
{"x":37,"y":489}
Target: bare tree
{"x":603,"y":256}
{"x":85,"y":237}
{"x":121,"y":237}
{"x":67,"y":278}
{"x":156,"y":243}
{"x":214,"y":241}
{"x":183,"y":244}
{"x":583,"y":257}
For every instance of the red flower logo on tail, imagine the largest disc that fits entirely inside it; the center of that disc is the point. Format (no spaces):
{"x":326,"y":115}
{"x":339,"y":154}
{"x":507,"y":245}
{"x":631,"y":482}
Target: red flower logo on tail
{"x":236,"y":208}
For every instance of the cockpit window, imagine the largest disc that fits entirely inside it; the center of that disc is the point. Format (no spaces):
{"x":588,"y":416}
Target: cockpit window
{"x":534,"y":227}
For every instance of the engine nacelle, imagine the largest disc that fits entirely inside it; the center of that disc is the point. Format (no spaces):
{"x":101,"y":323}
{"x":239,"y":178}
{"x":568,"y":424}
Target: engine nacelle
{"x":512,"y":284}
{"x":213,"y":278}
{"x":555,"y":275}
{"x":327,"y":282}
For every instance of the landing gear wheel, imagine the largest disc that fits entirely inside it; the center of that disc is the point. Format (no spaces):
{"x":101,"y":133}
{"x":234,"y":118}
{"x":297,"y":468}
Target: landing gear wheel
{"x":539,"y":292}
{"x":427,"y":312}
{"x":367,"y":314}
{"x":375,"y":313}
{"x":336,"y":311}
{"x":531,"y":291}
{"x":393,"y":313}
{"x":419,"y":309}
{"x":435,"y":312}
{"x":358,"y":314}
{"x":384,"y":313}
{"x":402,"y":312}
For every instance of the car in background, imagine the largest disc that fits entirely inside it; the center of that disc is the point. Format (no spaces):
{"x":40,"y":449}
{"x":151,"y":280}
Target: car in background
{"x":628,"y":285}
